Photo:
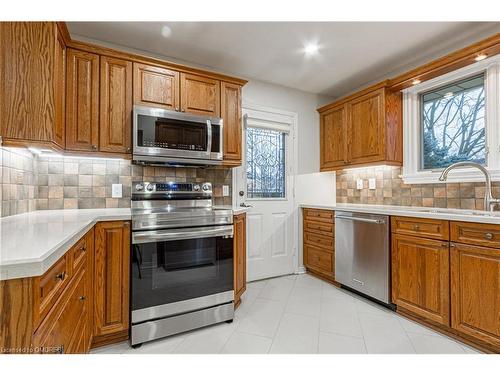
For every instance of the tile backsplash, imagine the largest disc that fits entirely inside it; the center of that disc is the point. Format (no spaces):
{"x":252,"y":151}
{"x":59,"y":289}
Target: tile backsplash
{"x":390,"y":189}
{"x":32,"y":182}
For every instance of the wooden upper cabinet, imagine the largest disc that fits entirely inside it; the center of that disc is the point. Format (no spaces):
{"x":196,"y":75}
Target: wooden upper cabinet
{"x":333,"y":150}
{"x":475,"y":292}
{"x":155,"y":86}
{"x":82,"y":101}
{"x":366,"y":131}
{"x":362,"y":129}
{"x":115,"y":128}
{"x":420,"y":277}
{"x":200,"y":95}
{"x":111,"y":277}
{"x":231,"y":115}
{"x":32,"y":83}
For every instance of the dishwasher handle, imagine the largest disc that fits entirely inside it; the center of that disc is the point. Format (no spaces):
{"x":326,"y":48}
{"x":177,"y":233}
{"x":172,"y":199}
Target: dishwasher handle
{"x":364,"y":220}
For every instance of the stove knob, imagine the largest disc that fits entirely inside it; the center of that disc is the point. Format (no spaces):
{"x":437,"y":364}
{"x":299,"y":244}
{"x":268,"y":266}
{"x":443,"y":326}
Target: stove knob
{"x":139,"y":187}
{"x":206,"y":187}
{"x":196,"y":187}
{"x":150,"y":187}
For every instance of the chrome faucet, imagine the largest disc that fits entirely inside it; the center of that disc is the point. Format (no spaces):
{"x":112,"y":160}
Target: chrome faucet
{"x":489,"y":201}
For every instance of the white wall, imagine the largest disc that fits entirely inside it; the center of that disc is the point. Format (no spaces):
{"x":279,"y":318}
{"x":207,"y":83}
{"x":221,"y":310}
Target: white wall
{"x":300,"y":102}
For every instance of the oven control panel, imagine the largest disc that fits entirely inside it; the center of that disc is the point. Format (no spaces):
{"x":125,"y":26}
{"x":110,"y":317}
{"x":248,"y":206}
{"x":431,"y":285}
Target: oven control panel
{"x":144,"y":188}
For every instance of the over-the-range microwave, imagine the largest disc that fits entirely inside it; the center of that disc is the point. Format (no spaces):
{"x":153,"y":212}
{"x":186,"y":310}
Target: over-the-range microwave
{"x":163,"y":137}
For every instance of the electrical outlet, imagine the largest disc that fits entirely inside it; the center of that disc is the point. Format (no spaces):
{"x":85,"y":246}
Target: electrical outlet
{"x":225,"y":190}
{"x":116,"y":191}
{"x":371,"y":184}
{"x":359,"y":184}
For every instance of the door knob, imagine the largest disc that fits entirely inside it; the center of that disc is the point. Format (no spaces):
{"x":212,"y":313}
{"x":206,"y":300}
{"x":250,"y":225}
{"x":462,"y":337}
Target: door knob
{"x":241,"y":193}
{"x":245,"y":205}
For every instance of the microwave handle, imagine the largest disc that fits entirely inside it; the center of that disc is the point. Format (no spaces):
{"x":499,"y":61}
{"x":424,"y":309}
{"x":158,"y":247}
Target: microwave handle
{"x":209,"y":136}
{"x":181,"y":234}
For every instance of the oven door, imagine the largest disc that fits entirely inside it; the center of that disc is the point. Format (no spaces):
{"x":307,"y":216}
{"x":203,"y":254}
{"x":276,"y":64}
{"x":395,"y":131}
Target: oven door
{"x":180,"y":270}
{"x":163,"y":133}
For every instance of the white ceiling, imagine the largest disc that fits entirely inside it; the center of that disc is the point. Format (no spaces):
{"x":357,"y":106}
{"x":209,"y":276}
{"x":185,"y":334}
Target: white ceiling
{"x":351,"y":54}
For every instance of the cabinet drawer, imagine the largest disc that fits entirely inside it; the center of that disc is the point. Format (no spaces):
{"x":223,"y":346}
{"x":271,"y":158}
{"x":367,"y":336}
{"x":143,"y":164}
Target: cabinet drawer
{"x":319,"y":260}
{"x":61,"y":326}
{"x":79,"y":252}
{"x":325,"y":242}
{"x":318,"y":215}
{"x":475,"y":234}
{"x":49,"y":286}
{"x":318,"y":227}
{"x":428,"y":228}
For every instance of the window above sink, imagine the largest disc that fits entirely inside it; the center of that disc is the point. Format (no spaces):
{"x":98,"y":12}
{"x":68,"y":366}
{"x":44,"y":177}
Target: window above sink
{"x":451,"y":118}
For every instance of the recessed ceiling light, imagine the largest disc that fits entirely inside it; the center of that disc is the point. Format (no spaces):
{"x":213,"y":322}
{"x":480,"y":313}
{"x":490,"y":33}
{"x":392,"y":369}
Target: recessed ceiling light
{"x":480,"y":57}
{"x":416,"y":81}
{"x":311,"y":49}
{"x":166,"y":31}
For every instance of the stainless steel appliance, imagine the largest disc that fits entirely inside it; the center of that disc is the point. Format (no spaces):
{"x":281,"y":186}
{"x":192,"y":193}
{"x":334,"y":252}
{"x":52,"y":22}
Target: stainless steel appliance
{"x":182,"y":260}
{"x":164,"y":137}
{"x":362,"y":253}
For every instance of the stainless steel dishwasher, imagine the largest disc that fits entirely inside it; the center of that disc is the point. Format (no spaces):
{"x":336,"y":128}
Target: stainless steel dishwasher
{"x":362,"y":253}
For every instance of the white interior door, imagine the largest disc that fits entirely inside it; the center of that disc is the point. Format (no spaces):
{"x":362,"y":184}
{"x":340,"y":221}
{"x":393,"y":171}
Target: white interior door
{"x":265,"y":182}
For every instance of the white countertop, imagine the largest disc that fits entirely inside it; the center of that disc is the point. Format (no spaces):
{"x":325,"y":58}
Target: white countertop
{"x":422,"y":212}
{"x":236,"y":209}
{"x":32,"y":242}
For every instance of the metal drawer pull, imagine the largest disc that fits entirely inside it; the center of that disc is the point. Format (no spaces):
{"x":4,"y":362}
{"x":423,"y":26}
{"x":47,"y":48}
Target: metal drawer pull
{"x":82,"y":298}
{"x":416,"y":227}
{"x":61,"y":275}
{"x":488,"y":236}
{"x":372,"y":221}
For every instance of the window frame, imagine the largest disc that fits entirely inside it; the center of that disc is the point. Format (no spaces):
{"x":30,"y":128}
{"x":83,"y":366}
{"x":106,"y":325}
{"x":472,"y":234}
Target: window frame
{"x":412,"y":129}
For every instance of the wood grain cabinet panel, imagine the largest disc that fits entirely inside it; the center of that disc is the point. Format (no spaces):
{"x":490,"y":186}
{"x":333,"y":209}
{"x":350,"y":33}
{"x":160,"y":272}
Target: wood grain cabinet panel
{"x":82,"y":96}
{"x":111,"y":278}
{"x":315,"y":214}
{"x":428,"y":228}
{"x":240,"y":257}
{"x":32,"y":75}
{"x":420,"y":277}
{"x":366,"y":131}
{"x":155,"y":86}
{"x":115,"y":128}
{"x":362,"y":129}
{"x":319,"y":260}
{"x":200,"y":95}
{"x":475,"y":234}
{"x":475,"y":292}
{"x":231,"y":115}
{"x":333,"y":138}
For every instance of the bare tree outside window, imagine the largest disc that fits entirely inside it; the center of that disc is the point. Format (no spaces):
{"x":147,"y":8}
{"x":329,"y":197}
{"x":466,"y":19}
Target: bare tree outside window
{"x":453,"y":122}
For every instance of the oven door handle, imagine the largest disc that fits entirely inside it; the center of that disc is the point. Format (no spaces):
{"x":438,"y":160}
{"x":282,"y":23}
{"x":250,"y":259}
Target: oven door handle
{"x":181,"y":234}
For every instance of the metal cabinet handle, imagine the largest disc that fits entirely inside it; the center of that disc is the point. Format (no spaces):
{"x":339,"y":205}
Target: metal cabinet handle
{"x":94,"y":147}
{"x":61,"y":275}
{"x":444,"y":244}
{"x":416,"y":227}
{"x":488,"y":236}
{"x":60,"y":350}
{"x":82,"y":298}
{"x":353,"y":218}
{"x":128,"y":149}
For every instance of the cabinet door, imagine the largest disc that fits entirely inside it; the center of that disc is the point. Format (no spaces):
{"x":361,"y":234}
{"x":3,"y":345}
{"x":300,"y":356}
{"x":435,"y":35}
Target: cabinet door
{"x":82,"y":95}
{"x":155,"y":86}
{"x":240,"y":257}
{"x":27,"y":97}
{"x":420,"y":277}
{"x":115,"y":128}
{"x":111,"y":277}
{"x":333,"y":139}
{"x":231,"y":114}
{"x":200,"y":95}
{"x":475,"y":292}
{"x":366,"y":129}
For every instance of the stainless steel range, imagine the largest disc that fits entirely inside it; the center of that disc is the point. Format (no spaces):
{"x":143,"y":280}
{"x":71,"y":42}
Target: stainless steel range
{"x":182,"y":260}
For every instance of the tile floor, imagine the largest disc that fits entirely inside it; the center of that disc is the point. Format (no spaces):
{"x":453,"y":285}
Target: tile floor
{"x":302,"y":314}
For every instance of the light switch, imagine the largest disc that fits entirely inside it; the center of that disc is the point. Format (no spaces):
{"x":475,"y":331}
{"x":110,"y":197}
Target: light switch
{"x":116,"y":191}
{"x":225,"y":190}
{"x":359,"y":184}
{"x":371,"y":184}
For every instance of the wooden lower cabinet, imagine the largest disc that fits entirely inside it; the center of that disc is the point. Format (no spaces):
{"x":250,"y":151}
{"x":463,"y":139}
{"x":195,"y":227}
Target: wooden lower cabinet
{"x":240,"y":257}
{"x":111,"y":281}
{"x":475,"y":292}
{"x":420,"y":277}
{"x":319,"y":242}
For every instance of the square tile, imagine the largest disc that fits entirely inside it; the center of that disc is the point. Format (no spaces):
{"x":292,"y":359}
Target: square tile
{"x":263,"y":318}
{"x":297,"y":334}
{"x":245,"y":343}
{"x":425,"y":344}
{"x":306,"y":301}
{"x":330,"y":343}
{"x":340,"y":317}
